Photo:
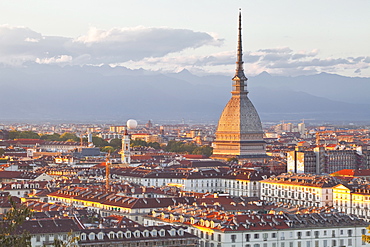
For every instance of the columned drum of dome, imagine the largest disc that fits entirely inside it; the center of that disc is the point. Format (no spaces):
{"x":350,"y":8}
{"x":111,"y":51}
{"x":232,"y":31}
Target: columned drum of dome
{"x":239,"y":132}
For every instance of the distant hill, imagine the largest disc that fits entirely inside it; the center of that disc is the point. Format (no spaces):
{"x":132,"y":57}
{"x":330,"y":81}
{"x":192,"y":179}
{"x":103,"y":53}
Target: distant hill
{"x":46,"y":93}
{"x":330,"y":86}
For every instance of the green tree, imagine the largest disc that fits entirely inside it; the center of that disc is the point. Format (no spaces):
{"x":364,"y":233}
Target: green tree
{"x":14,"y":134}
{"x":53,"y":137}
{"x":107,"y":149}
{"x":116,"y":143}
{"x":154,"y":145}
{"x":9,"y":236}
{"x":138,"y":143}
{"x":67,"y":136}
{"x":99,"y":142}
{"x":203,"y":150}
{"x":180,"y":147}
{"x":189,"y":147}
{"x":173,"y":146}
{"x":142,"y":143}
{"x":29,"y":135}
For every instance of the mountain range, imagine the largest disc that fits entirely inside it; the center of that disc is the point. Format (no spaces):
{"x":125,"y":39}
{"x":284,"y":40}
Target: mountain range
{"x":91,"y":93}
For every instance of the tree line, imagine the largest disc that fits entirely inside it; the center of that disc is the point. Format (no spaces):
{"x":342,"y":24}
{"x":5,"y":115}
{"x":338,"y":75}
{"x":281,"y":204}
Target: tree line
{"x":67,"y":136}
{"x":116,"y":144}
{"x":188,"y":148}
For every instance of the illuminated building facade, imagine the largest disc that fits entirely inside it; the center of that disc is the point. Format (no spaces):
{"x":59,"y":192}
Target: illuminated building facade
{"x":352,"y":200}
{"x":239,"y":182}
{"x":299,"y":189}
{"x":222,"y":229}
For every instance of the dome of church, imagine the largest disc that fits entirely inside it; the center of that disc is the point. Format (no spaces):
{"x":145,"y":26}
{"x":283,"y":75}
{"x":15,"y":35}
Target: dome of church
{"x":239,"y":132}
{"x":239,"y":115}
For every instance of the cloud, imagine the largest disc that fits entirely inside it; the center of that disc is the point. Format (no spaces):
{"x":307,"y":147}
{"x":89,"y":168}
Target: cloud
{"x":285,"y":61}
{"x":20,"y":44}
{"x":124,"y":44}
{"x":164,"y":49}
{"x":53,"y":60}
{"x":281,"y":61}
{"x":366,"y":60}
{"x":305,"y":54}
{"x":31,"y":40}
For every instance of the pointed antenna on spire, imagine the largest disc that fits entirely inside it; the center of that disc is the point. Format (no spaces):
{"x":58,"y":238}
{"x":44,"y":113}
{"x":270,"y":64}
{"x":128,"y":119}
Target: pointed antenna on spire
{"x":239,"y":63}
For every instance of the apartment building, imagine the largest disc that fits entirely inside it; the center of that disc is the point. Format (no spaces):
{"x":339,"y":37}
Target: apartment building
{"x":299,"y":189}
{"x":217,"y":228}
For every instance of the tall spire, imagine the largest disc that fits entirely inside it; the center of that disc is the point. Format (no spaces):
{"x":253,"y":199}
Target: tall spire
{"x":239,"y":131}
{"x":239,"y":63}
{"x":239,"y":77}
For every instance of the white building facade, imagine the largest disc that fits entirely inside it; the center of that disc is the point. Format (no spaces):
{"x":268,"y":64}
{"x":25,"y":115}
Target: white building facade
{"x":299,"y":189}
{"x":237,"y":183}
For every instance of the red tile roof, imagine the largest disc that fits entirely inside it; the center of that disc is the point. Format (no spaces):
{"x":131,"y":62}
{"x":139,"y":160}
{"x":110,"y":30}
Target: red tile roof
{"x":49,"y":226}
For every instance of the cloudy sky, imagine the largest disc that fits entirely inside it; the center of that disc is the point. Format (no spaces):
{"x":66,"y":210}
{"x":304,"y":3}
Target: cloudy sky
{"x":283,"y":37}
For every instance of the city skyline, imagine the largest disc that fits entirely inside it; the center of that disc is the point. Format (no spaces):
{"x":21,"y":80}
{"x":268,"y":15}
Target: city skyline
{"x":79,"y":167}
{"x":283,"y":38}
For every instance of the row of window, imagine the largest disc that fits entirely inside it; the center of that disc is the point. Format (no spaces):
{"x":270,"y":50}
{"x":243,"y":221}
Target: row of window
{"x":316,"y":243}
{"x":25,"y":186}
{"x":129,"y":234}
{"x":265,"y":236}
{"x":293,"y":188}
{"x":49,"y":237}
{"x":152,"y":243}
{"x":291,"y":194}
{"x":205,"y":235}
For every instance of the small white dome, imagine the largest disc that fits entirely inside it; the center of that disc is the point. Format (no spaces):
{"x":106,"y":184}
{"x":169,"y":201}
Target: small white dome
{"x":131,"y":124}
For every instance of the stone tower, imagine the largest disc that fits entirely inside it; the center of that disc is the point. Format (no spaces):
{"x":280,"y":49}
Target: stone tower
{"x":126,"y":152}
{"x":239,"y":132}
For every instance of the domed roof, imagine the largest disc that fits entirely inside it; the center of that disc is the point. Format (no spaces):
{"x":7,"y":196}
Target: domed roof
{"x":239,"y":132}
{"x":239,"y":115}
